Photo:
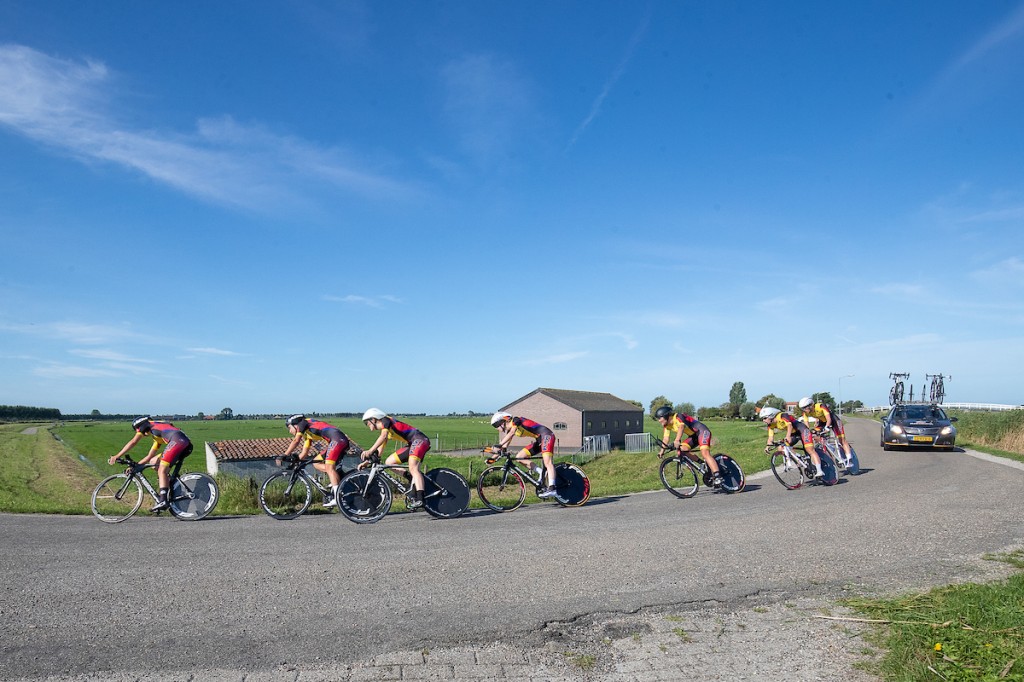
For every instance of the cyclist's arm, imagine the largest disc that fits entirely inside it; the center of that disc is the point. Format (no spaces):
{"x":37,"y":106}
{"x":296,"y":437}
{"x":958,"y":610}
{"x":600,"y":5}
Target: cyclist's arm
{"x":506,"y":437}
{"x":291,"y":446}
{"x":152,"y":454}
{"x":377,"y":446}
{"x":128,"y":446}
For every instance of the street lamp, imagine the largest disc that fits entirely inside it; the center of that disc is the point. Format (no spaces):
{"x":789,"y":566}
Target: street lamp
{"x":845,"y":376}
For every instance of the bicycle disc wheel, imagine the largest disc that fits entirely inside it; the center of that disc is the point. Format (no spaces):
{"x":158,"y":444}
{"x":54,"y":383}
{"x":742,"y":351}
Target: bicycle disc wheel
{"x":500,"y":490}
{"x":447,"y":494}
{"x":284,"y":499}
{"x":830,"y":474}
{"x":193,"y":496}
{"x":678,"y":477}
{"x":363,"y":501}
{"x":854,"y":466}
{"x":733,"y":480}
{"x":787,"y":471}
{"x":116,"y":498}
{"x":572,"y":485}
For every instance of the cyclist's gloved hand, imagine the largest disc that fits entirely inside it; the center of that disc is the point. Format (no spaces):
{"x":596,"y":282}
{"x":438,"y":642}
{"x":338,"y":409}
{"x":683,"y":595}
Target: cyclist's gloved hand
{"x":769,"y":449}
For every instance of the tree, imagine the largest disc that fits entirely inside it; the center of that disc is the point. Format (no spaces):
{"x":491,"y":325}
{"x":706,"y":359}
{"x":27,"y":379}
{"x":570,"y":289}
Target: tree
{"x":825,"y":398}
{"x":658,"y":402}
{"x":748,"y":411}
{"x":737,"y":394}
{"x":95,"y":413}
{"x":227,"y":413}
{"x":771,"y":400}
{"x":686,"y":408}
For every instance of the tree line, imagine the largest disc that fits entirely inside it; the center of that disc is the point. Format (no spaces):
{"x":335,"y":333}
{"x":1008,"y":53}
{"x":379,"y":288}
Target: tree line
{"x":24,"y":413}
{"x":738,"y":407}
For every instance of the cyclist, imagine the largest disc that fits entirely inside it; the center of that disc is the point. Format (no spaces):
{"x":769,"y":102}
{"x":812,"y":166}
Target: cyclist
{"x":543,"y":442}
{"x":696,"y":434}
{"x":777,"y":419}
{"x":415,"y":449}
{"x":177,"y":447}
{"x":307,"y":431}
{"x":826,"y":420}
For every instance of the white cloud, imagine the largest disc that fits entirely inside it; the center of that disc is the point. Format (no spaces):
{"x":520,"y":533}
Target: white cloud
{"x":67,"y":105}
{"x":214,"y":351}
{"x":1009,"y":272}
{"x":78,"y":332}
{"x":371,"y":301}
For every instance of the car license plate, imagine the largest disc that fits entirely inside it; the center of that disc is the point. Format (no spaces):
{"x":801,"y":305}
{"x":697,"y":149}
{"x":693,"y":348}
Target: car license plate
{"x":922,"y":439}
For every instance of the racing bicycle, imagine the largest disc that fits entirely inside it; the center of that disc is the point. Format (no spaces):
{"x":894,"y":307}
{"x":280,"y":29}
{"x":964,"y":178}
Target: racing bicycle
{"x":502,"y":487}
{"x":682,"y":474}
{"x":793,"y":468}
{"x":896,"y":392}
{"x":287,"y":494}
{"x":828,"y":440}
{"x":937,"y":390}
{"x":192,"y":496}
{"x":365,"y":495}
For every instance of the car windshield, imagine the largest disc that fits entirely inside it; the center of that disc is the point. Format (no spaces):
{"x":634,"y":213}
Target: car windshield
{"x":912,"y":412}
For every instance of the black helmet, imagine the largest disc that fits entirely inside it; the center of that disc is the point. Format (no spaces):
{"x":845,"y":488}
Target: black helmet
{"x":663,"y":412}
{"x":295,"y":420}
{"x":142,"y":424}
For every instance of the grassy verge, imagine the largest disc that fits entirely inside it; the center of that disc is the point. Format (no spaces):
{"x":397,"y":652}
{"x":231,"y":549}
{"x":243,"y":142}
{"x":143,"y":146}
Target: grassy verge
{"x":39,"y":475}
{"x":617,"y":473}
{"x":957,"y":632}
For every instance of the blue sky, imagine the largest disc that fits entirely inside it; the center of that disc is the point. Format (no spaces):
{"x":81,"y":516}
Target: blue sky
{"x":441,"y":206}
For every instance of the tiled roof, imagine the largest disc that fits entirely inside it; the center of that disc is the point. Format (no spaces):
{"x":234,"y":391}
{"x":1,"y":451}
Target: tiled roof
{"x":253,"y":448}
{"x":585,"y":401}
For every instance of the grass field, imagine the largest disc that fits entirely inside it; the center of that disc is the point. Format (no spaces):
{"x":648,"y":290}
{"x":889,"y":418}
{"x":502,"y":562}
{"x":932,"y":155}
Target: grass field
{"x":75,"y":469}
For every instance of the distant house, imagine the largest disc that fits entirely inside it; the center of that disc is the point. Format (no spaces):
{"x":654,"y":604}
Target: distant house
{"x":575,"y":415}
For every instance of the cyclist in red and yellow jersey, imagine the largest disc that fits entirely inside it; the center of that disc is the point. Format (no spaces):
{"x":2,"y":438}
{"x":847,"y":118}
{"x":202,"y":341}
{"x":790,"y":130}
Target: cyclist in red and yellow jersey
{"x":697,"y":434}
{"x":826,"y":420}
{"x":777,"y":419}
{"x":307,"y":431}
{"x":415,"y":449}
{"x":543,"y":443}
{"x":176,"y":444}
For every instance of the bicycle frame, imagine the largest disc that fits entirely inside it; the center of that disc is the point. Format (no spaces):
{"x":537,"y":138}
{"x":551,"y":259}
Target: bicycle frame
{"x":299,"y":471}
{"x":513,"y":463}
{"x":172,"y":477}
{"x":377,"y":468}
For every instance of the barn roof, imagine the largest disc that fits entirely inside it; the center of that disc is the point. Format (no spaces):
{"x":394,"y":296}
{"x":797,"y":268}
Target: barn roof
{"x":584,"y":401}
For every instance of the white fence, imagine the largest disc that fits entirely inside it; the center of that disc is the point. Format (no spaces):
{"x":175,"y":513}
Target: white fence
{"x":639,"y":442}
{"x":970,"y":407}
{"x":597,"y":445}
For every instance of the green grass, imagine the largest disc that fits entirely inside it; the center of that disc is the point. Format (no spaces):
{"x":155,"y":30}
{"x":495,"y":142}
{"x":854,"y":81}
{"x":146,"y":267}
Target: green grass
{"x":39,"y":475}
{"x":958,"y":632}
{"x":617,"y":473}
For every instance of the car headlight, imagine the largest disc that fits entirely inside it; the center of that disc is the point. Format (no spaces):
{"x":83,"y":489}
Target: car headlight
{"x":946,"y":430}
{"x":897,"y":429}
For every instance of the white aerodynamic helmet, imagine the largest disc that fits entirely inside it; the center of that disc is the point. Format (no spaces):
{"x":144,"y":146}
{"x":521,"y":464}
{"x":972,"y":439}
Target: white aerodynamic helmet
{"x":805,"y":402}
{"x":498,"y":418}
{"x":373,"y":413}
{"x":767,"y":412}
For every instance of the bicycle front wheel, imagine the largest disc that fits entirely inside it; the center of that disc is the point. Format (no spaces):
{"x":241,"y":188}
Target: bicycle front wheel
{"x":283,"y":499}
{"x":572,"y":485}
{"x":787,"y":470}
{"x":854,"y":466}
{"x":193,"y":496}
{"x":116,"y":498}
{"x":679,"y":477}
{"x":361,"y":500}
{"x":830,"y":474}
{"x":500,"y":489}
{"x":733,"y":479}
{"x":446,"y":495}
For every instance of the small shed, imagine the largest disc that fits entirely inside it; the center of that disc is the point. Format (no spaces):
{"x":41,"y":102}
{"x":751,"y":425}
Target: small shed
{"x":575,"y":415}
{"x":255,"y":457}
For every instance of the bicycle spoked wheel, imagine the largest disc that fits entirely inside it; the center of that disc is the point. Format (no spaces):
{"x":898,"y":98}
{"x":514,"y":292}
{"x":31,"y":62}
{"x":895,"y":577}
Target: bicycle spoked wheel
{"x":446,"y":495}
{"x":363,"y":501}
{"x":193,"y":496}
{"x":284,"y":499}
{"x":116,"y":498}
{"x":733,"y":479}
{"x":787,"y":471}
{"x":572,"y":485}
{"x":679,"y":477}
{"x":501,"y":490}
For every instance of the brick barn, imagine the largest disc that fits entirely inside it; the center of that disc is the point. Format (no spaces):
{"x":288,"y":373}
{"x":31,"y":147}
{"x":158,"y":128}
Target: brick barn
{"x":574,"y":415}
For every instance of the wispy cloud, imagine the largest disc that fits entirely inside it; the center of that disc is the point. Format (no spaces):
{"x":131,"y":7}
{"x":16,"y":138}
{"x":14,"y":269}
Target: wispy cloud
{"x":899,"y":290}
{"x":214,"y":351}
{"x":109,"y":355}
{"x":556,"y":359}
{"x":371,"y":301}
{"x":489,"y":103}
{"x":1009,"y":272}
{"x":620,"y":69}
{"x":78,"y":332}
{"x":55,"y":370}
{"x":68,"y":105}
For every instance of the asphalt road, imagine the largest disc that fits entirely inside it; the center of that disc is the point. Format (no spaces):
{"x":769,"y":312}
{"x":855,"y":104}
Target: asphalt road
{"x":252,"y":594}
